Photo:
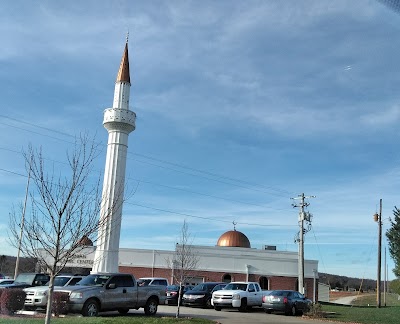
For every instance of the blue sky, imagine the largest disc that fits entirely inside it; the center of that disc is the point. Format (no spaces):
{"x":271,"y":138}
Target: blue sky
{"x":240,"y":106}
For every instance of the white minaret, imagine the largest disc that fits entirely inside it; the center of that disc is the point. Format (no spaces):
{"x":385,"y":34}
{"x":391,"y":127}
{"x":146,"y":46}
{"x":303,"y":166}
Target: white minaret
{"x":119,"y":122}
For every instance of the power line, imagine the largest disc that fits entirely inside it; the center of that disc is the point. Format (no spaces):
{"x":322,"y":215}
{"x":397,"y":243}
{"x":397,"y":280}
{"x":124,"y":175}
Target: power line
{"x":203,"y":194}
{"x":213,"y":174}
{"x":165,"y":186}
{"x":180,"y":213}
{"x":162,"y":161}
{"x":211,"y":179}
{"x":35,"y":125}
{"x":203,"y":217}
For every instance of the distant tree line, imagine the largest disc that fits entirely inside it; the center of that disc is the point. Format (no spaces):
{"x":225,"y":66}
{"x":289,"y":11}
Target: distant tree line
{"x":346,"y":283}
{"x":7,"y":265}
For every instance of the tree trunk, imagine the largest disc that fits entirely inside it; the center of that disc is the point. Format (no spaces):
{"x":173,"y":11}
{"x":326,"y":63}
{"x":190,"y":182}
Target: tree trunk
{"x":49,"y":299}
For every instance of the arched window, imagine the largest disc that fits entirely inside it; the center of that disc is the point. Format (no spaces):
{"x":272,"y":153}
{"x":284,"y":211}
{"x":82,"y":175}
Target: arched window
{"x":264,"y":283}
{"x":227,"y":278}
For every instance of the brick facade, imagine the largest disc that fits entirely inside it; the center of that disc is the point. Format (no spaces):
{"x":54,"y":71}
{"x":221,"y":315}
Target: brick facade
{"x":270,"y":283}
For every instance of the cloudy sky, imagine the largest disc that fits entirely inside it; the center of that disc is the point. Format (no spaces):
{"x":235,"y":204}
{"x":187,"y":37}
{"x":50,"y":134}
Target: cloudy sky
{"x":241,"y":105}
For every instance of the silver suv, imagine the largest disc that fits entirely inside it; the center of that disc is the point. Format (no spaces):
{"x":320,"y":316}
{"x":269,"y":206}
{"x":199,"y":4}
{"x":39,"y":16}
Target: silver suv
{"x":37,"y":296}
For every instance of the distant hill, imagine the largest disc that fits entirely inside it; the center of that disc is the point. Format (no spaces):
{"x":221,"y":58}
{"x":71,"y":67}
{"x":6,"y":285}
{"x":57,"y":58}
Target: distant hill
{"x":346,"y":283}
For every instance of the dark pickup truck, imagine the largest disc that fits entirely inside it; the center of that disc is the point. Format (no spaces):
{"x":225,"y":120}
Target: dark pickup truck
{"x":25,"y":280}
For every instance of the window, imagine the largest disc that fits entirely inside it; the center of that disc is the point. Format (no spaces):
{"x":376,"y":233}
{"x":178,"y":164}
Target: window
{"x":122,"y":281}
{"x":227,"y":278}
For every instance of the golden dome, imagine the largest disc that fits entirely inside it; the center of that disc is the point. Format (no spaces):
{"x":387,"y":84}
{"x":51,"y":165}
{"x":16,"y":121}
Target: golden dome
{"x":234,"y":238}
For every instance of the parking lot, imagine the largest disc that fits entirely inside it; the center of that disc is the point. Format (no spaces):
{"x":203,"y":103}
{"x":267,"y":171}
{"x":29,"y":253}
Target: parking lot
{"x":256,"y":315}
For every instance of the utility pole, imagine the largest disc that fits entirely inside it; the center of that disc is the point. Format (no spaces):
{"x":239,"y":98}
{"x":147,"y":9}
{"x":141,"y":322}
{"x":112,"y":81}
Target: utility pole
{"x":378,"y":218}
{"x":303,"y":216}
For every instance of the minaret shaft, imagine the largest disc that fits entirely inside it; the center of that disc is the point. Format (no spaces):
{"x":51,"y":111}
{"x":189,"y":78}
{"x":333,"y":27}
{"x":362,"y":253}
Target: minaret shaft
{"x":119,"y":122}
{"x":121,"y":95}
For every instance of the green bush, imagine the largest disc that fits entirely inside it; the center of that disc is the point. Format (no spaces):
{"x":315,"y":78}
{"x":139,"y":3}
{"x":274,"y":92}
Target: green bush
{"x":60,"y":303}
{"x":12,"y":300}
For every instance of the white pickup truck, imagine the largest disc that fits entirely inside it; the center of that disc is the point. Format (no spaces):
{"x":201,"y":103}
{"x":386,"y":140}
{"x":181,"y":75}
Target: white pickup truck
{"x":112,"y":291}
{"x":241,"y":295}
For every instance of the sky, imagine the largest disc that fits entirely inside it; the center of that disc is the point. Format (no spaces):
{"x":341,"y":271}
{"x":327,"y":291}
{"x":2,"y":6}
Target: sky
{"x":241,"y":106}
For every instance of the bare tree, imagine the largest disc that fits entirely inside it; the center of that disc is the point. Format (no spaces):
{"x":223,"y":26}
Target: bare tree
{"x":64,"y":210}
{"x":183,"y":261}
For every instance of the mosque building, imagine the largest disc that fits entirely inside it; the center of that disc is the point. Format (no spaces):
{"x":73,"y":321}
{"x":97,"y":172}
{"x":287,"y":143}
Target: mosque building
{"x":231,"y":259}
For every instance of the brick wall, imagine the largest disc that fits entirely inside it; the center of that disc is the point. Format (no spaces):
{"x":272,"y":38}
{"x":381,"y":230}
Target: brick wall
{"x":278,"y":282}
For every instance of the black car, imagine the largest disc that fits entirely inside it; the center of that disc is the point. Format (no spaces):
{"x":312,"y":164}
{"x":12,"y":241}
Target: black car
{"x":26,"y":280}
{"x":173,"y":293}
{"x":201,"y":294}
{"x":288,"y":301}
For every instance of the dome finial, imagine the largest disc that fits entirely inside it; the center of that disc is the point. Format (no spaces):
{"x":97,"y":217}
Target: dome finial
{"x":234,"y":225}
{"x":127,"y":36}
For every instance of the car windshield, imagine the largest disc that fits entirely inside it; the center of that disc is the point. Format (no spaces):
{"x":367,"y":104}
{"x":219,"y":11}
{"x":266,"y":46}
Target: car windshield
{"x":172,"y":288}
{"x":219,"y":287}
{"x":59,"y":281}
{"x":236,"y":286}
{"x":202,"y":287}
{"x":93,"y":280}
{"x":25,"y":278}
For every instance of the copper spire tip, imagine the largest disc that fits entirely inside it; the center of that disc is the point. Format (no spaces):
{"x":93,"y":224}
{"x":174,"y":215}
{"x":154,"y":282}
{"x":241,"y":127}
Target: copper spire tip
{"x":123,"y":72}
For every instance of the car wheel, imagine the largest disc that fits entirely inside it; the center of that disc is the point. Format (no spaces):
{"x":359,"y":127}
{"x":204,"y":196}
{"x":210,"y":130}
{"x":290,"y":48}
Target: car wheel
{"x":123,"y":311}
{"x":217,"y":308}
{"x":243,"y":305}
{"x":292,"y":311}
{"x":268,"y":311}
{"x":91,"y":308}
{"x":208,"y":303}
{"x":151,"y":307}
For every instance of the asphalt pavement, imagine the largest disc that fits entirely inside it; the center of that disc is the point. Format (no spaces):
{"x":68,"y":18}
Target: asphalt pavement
{"x":231,"y":316}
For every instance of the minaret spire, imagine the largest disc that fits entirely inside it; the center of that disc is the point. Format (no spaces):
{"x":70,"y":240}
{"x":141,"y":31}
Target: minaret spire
{"x":119,"y":122}
{"x":123,"y":72}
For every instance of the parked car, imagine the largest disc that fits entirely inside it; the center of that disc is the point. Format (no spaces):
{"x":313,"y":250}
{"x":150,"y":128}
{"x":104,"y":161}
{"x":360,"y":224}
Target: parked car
{"x":151,"y":281}
{"x":241,"y":295}
{"x":6,"y":281}
{"x":290,"y":302}
{"x":25,"y":280}
{"x":112,"y":291}
{"x":37,"y":296}
{"x":173,"y":293}
{"x":200,"y":295}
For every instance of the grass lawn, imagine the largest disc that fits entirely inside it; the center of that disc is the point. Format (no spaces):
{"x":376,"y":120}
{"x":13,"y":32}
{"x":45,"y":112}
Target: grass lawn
{"x":364,"y":310}
{"x":107,"y":320}
{"x":365,"y":315}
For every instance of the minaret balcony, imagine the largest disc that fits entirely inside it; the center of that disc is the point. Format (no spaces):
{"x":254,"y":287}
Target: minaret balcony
{"x":119,"y":119}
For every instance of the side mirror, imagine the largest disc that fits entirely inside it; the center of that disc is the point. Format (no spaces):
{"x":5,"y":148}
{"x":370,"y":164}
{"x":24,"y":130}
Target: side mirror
{"x":112,"y":286}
